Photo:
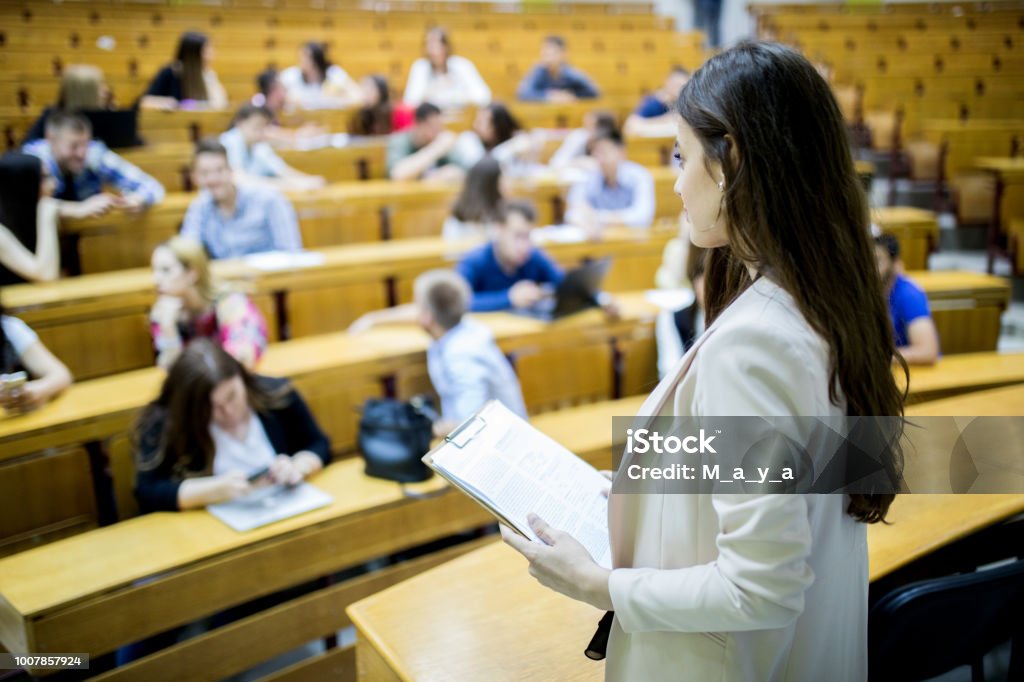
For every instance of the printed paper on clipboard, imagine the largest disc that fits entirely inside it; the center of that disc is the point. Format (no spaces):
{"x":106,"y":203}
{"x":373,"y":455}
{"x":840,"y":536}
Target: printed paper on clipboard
{"x":512,"y":469}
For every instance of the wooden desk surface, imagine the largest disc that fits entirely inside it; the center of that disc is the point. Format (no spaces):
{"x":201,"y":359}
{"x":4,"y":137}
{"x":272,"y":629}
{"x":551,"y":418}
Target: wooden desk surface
{"x":100,"y":408}
{"x":962,"y":284}
{"x":452,"y":622}
{"x":1010,"y":169}
{"x":889,"y":217}
{"x":966,"y":372}
{"x":352,"y":262}
{"x":998,"y":402}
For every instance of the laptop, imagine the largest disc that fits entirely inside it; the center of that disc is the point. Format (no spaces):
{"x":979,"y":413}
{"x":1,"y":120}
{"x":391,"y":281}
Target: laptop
{"x":117,"y":128}
{"x":577,"y":291}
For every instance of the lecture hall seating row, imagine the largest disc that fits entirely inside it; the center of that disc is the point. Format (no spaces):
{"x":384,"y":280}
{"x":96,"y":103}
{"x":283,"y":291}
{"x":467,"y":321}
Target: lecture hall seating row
{"x":98,"y":591}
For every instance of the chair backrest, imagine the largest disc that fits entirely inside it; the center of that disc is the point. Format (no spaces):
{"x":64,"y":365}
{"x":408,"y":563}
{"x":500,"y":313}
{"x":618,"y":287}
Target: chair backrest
{"x":929,"y":627}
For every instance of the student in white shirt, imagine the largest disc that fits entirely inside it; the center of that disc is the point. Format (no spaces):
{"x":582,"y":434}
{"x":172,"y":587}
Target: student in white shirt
{"x":22,"y":351}
{"x":316,"y":83}
{"x":252,"y":158}
{"x":465,"y":364}
{"x":444,"y":79}
{"x":767,"y":586}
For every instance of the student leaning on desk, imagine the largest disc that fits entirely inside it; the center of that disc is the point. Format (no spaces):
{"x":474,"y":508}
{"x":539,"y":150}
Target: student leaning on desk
{"x":754,"y":587}
{"x":216,"y":432}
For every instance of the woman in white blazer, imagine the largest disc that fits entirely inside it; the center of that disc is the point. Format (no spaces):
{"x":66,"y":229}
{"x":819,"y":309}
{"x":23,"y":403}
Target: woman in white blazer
{"x":444,"y":79}
{"x":754,"y":587}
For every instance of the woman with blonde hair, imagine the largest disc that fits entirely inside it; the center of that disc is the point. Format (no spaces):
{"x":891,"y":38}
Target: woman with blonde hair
{"x":84,"y":90}
{"x":190,"y":306}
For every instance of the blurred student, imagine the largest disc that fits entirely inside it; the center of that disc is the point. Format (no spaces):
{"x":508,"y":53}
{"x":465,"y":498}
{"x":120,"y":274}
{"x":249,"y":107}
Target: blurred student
{"x":189,"y":79}
{"x":190,"y":306}
{"x":654,"y":117}
{"x":316,"y":83}
{"x":497,"y":132}
{"x":253,"y":159}
{"x":617,"y":192}
{"x":83,"y":90}
{"x":22,"y":351}
{"x":479,"y":204}
{"x":509,"y":271}
{"x":676,"y":331}
{"x":574,"y":152}
{"x":272,"y":95}
{"x":443,"y":78}
{"x":917,"y":339}
{"x":379,"y":115}
{"x":466,"y":367}
{"x":426,"y":151}
{"x":231,"y":219}
{"x":214,"y":426}
{"x":29,"y":247}
{"x":82,"y":166}
{"x":553,"y":79}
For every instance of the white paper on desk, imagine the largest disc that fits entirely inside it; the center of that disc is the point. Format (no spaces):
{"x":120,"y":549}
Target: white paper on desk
{"x":558,"y":234}
{"x":269,"y":504}
{"x":270,"y":261}
{"x":669,"y":299}
{"x":514,"y":469}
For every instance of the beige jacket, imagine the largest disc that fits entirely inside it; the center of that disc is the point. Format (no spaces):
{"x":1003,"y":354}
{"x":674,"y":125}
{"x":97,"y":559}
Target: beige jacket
{"x":741,"y":587}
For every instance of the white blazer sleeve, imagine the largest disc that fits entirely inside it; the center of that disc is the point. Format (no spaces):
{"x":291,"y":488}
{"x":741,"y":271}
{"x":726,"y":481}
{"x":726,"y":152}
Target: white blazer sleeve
{"x":760,"y":576}
{"x":470,"y":81}
{"x":416,"y":86}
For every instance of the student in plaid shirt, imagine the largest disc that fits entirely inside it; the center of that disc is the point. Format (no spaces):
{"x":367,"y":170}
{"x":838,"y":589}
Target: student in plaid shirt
{"x":82,"y":167}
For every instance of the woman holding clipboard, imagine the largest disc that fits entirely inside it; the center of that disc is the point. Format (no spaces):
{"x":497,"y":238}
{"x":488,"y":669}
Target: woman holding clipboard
{"x":754,"y":587}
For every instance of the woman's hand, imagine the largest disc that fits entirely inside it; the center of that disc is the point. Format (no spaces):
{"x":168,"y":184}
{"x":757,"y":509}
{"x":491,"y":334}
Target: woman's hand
{"x":230,"y":486}
{"x":285,"y":470}
{"x":562,"y":564}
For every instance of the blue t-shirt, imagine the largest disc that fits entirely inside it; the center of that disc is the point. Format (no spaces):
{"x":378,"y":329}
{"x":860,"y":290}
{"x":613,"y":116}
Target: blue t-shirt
{"x":651,"y":107}
{"x":907,"y":302}
{"x":490,"y":283}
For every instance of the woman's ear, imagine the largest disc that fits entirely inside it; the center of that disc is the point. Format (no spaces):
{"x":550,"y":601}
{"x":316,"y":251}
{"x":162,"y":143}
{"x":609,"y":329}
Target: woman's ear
{"x":734,"y":152}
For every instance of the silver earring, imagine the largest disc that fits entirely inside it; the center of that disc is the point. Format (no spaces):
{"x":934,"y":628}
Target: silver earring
{"x":721,"y":185}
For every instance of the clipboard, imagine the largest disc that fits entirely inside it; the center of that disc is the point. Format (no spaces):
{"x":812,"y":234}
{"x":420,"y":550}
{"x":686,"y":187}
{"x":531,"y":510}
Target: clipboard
{"x":459,"y":438}
{"x":510,"y":469}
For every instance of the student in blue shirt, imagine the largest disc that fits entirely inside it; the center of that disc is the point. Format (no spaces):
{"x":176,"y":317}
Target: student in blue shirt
{"x":553,"y":80}
{"x":654,"y":117}
{"x":917,"y":340}
{"x":509,"y":271}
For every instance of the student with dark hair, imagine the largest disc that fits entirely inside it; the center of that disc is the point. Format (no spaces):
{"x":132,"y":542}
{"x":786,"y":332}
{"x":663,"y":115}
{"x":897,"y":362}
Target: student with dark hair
{"x":617,"y":192}
{"x":232,"y":219}
{"x":271,"y":93}
{"x":189,"y":79}
{"x":29,"y":248}
{"x":574,"y":152}
{"x":553,"y":79}
{"x":478,"y":205}
{"x":426,"y":150}
{"x":755,"y":586}
{"x":654,"y":116}
{"x":443,"y":78}
{"x":81,"y":167}
{"x":917,"y":339}
{"x":213,"y":425}
{"x":317,"y":83}
{"x":498,"y":133}
{"x":253,"y":159}
{"x":22,"y":351}
{"x":509,"y":271}
{"x":379,"y":115}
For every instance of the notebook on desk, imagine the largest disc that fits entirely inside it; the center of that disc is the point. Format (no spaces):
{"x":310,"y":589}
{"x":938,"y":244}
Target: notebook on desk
{"x":269,"y":504}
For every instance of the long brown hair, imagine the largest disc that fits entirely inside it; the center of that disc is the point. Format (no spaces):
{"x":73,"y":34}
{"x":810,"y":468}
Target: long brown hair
{"x":179,"y":419}
{"x":795,"y":209}
{"x":189,"y":65}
